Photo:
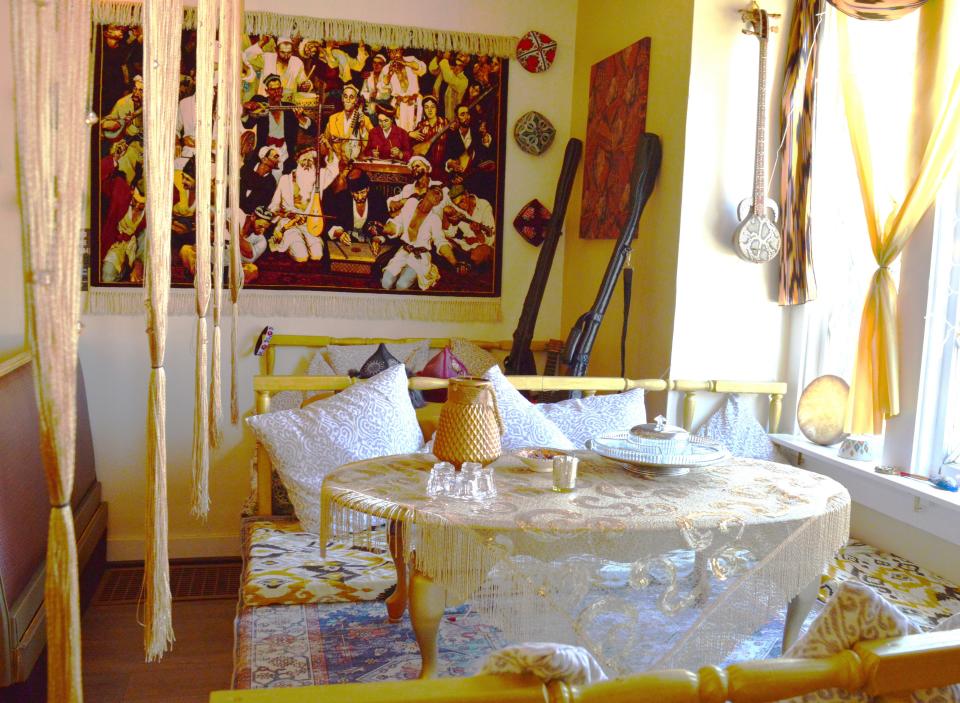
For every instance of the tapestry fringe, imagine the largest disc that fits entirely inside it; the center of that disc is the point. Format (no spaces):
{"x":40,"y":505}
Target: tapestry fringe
{"x":259,"y":303}
{"x":125,"y":12}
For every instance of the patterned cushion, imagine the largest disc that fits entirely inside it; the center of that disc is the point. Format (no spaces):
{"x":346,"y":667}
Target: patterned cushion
{"x":476,"y":360}
{"x":372,"y":418}
{"x":524,"y":425}
{"x":735,"y":427}
{"x":585,"y":418}
{"x":350,"y":357}
{"x":854,"y":614}
{"x":444,"y":365}
{"x":283,"y":566}
{"x":924,"y":597}
{"x":319,"y":367}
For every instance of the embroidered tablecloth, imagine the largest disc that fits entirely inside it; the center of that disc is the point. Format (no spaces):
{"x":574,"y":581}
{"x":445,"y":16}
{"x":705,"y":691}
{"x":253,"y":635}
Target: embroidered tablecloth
{"x":644,"y":572}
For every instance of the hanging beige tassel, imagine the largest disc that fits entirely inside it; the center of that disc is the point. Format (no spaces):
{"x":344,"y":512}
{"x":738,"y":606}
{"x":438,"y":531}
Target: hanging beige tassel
{"x":161,"y":61}
{"x":236,"y":266}
{"x":207,"y":19}
{"x":53,"y":161}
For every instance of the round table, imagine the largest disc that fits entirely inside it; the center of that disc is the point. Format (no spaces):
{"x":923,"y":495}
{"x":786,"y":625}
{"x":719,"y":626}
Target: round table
{"x":575,"y":566}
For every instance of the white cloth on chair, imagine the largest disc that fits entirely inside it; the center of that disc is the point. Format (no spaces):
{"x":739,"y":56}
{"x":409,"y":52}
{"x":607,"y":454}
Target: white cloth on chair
{"x":547,"y":661}
{"x":857,"y":613}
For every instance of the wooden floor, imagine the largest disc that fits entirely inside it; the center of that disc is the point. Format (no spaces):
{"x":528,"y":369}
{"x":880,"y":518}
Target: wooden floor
{"x":201,"y":661}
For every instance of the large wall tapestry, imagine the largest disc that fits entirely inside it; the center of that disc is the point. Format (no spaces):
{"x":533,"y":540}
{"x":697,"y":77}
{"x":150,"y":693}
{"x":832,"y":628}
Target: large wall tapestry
{"x":366,"y":168}
{"x":616,"y":117}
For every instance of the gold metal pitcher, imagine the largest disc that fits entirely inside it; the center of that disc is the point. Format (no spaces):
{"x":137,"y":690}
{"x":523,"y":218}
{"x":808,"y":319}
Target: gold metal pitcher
{"x":470,"y":426}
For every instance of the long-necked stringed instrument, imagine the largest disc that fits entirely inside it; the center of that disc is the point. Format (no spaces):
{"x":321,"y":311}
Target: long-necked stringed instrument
{"x":757,"y":238}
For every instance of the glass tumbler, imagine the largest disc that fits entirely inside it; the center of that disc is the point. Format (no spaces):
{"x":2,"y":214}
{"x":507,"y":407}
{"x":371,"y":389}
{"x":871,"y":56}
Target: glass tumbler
{"x":565,"y":473}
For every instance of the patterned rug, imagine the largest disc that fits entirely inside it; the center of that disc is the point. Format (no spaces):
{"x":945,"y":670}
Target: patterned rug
{"x":301,"y":645}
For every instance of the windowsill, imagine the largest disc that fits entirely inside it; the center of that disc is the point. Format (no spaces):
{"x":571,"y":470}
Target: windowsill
{"x":914,"y":502}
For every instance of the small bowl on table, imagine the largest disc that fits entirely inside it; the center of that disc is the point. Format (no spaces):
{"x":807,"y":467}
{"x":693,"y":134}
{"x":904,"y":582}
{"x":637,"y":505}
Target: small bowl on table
{"x":538,"y":459}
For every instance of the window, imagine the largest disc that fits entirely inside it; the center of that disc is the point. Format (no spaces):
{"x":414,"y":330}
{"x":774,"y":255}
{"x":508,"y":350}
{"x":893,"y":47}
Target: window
{"x":884,"y":55}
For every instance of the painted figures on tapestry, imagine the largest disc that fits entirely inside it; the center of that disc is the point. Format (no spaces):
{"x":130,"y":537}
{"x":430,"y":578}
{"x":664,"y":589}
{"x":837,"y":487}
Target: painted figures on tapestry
{"x":616,"y":117}
{"x":365,"y":168}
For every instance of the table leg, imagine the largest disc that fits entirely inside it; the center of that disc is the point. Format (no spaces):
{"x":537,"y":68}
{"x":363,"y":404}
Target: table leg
{"x":397,"y":601}
{"x":797,"y":612}
{"x":427,"y":601}
{"x":701,"y":570}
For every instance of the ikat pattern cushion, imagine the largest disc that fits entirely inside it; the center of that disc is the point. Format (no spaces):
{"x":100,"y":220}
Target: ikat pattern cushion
{"x":524,"y":425}
{"x":735,"y":426}
{"x":350,"y":357}
{"x":923,"y":596}
{"x":371,"y":418}
{"x":475,"y":359}
{"x":283,"y":566}
{"x":854,"y":614}
{"x":585,"y":418}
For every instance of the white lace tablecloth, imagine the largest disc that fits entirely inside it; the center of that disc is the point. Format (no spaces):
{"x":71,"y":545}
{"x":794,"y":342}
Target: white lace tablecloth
{"x":643,"y":572}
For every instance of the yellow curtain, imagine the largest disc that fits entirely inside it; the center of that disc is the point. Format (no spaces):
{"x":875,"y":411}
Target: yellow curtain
{"x":874,"y":390}
{"x":49,"y":41}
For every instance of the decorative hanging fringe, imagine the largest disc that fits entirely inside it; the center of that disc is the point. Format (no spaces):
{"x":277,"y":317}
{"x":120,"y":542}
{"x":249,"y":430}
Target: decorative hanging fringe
{"x":161,"y":61}
{"x":200,"y":495}
{"x":63,"y":614}
{"x":52,"y":166}
{"x":216,"y":406}
{"x":158,"y":634}
{"x":235,"y":161}
{"x":220,"y":222}
{"x":262,"y":303}
{"x":124,"y":12}
{"x":208,"y":17}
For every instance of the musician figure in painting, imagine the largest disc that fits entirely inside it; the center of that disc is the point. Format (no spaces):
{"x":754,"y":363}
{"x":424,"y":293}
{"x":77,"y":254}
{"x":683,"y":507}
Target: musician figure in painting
{"x":422,"y":182}
{"x":388,"y":140}
{"x":125,"y":122}
{"x":361,"y":217}
{"x":467,"y":151}
{"x":257,"y":180}
{"x":469,"y":223}
{"x":283,"y":64}
{"x":125,"y":254}
{"x":430,"y":135}
{"x":375,"y":89}
{"x":420,"y":231}
{"x":403,"y":76}
{"x":451,"y":84}
{"x":296,"y":204}
{"x":277,"y":128}
{"x":348,"y":130}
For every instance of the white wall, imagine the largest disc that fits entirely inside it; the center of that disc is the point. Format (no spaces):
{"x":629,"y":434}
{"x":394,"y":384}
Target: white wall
{"x":727,"y":323}
{"x":11,"y":271}
{"x":113,"y":350}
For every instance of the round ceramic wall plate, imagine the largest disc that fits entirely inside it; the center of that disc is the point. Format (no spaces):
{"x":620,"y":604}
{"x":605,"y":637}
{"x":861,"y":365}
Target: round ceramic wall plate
{"x":536,"y":51}
{"x":534,"y":133}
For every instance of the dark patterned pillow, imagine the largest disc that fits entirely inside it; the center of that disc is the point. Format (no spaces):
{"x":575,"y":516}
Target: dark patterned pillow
{"x":381,"y":360}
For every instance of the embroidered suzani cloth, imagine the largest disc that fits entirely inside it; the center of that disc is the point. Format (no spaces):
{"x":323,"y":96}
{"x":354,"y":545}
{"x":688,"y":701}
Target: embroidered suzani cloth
{"x":714,"y":553}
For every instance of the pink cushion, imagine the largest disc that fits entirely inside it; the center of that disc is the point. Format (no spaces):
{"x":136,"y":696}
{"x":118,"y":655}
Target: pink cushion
{"x":443,"y":365}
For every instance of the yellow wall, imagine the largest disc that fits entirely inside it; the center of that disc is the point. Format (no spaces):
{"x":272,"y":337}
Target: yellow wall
{"x":603,"y":28}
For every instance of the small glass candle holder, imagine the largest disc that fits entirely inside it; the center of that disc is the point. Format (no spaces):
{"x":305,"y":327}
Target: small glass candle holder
{"x":565,"y":473}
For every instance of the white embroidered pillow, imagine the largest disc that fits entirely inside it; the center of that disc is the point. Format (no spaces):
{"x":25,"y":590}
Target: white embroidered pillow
{"x":369,"y":419}
{"x":857,"y":613}
{"x":735,"y":426}
{"x":350,"y":357}
{"x":524,"y":425}
{"x":476,"y":359}
{"x":585,"y":418}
